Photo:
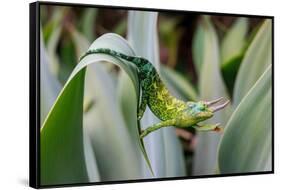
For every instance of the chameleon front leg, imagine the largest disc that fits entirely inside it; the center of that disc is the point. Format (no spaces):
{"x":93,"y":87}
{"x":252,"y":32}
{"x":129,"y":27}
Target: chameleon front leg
{"x":208,"y":127}
{"x":156,"y":126}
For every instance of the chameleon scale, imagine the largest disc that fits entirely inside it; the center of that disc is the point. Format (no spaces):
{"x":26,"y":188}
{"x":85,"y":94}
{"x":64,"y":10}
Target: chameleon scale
{"x":154,"y":94}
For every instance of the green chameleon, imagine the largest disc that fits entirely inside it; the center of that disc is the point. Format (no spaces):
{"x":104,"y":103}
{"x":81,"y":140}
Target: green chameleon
{"x":170,"y":110}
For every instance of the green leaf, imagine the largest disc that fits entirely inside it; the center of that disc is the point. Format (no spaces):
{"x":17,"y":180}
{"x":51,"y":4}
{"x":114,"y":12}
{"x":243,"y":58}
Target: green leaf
{"x":170,"y":36}
{"x":144,"y":40}
{"x":52,"y":33}
{"x":256,"y":60}
{"x":104,"y":138}
{"x":179,"y":85}
{"x":81,"y":45}
{"x":61,"y":134}
{"x":246,"y":144}
{"x":234,"y":40}
{"x":211,"y":86}
{"x":88,"y":23}
{"x":67,"y":59}
{"x":49,"y":86}
{"x":51,"y":49}
{"x":61,"y":144}
{"x":121,"y":27}
{"x":230,"y":70}
{"x":145,"y":44}
{"x":53,"y":22}
{"x":142,"y":35}
{"x":197,"y":47}
{"x":232,"y":51}
{"x":118,"y":156}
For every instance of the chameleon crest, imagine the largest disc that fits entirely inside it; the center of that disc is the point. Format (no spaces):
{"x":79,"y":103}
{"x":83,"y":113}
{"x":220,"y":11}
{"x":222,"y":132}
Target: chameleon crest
{"x":170,"y":110}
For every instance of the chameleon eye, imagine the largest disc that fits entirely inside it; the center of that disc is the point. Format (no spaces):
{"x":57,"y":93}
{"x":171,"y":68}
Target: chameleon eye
{"x":201,"y":107}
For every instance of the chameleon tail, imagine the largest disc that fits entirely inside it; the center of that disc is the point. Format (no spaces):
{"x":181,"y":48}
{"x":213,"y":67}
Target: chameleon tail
{"x":136,"y":60}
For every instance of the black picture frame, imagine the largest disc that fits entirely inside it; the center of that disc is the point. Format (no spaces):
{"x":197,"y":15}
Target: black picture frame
{"x":34,"y":93}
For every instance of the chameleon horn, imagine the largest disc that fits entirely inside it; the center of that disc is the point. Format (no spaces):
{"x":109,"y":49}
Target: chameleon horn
{"x":214,"y":101}
{"x":219,"y":107}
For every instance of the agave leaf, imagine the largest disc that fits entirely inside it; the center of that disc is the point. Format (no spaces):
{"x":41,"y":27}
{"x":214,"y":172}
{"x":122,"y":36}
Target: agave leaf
{"x":247,"y":141}
{"x":62,"y":133}
{"x":232,"y":51}
{"x":51,"y":49}
{"x":142,"y":34}
{"x":53,"y":22}
{"x":50,"y":86}
{"x":171,"y":38}
{"x":88,"y":23}
{"x":211,"y":86}
{"x":117,"y":154}
{"x":197,"y":47}
{"x":61,"y":144}
{"x":104,"y":138}
{"x":81,"y":45}
{"x":120,"y":28}
{"x":234,"y":40}
{"x":67,"y":59}
{"x":230,"y":70}
{"x":52,"y":32}
{"x":256,"y":60}
{"x":89,"y":153}
{"x":252,"y":34}
{"x":177,"y":84}
{"x":141,"y":38}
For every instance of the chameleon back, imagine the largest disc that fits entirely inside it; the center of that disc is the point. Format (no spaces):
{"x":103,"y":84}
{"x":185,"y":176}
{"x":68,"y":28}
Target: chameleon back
{"x":160,"y":101}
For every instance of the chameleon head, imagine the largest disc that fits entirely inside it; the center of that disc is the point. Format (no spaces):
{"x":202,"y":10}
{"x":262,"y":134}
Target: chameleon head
{"x":203,"y":110}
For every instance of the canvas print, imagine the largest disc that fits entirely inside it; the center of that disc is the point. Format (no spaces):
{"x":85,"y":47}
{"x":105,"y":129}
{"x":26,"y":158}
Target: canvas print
{"x":135,"y":94}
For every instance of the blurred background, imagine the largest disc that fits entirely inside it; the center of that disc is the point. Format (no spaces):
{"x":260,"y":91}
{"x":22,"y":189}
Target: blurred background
{"x":199,"y":59}
{"x":176,"y":31}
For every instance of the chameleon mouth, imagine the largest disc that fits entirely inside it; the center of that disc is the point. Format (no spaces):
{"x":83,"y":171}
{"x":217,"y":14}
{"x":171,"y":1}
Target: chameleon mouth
{"x":218,"y":107}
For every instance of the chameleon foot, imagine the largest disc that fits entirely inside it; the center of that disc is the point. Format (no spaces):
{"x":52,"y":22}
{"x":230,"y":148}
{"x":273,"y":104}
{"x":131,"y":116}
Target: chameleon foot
{"x":140,"y":114}
{"x":209,"y":127}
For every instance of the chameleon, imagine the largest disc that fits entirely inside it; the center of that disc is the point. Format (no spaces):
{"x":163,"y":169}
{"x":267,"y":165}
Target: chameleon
{"x":170,"y":110}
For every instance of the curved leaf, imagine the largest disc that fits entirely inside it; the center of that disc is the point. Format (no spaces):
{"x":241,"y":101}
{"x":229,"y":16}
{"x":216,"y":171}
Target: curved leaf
{"x":142,"y":34}
{"x":211,"y":86}
{"x":234,"y":40}
{"x":232,"y":51}
{"x":246,"y":144}
{"x":61,"y":134}
{"x":104,"y":138}
{"x":116,"y":153}
{"x":88,"y":23}
{"x":197,"y":47}
{"x":230,"y":70}
{"x":50,"y":86}
{"x":81,"y":45}
{"x":255,"y":61}
{"x":61,"y":144}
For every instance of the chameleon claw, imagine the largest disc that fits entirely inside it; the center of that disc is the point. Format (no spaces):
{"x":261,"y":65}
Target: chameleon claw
{"x":139,"y":117}
{"x":218,"y":128}
{"x":209,"y":127}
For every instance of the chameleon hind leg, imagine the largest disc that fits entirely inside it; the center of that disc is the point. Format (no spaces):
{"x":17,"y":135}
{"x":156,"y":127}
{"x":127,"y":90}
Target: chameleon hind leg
{"x":143,"y":104}
{"x":157,"y":126}
{"x":144,"y":97}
